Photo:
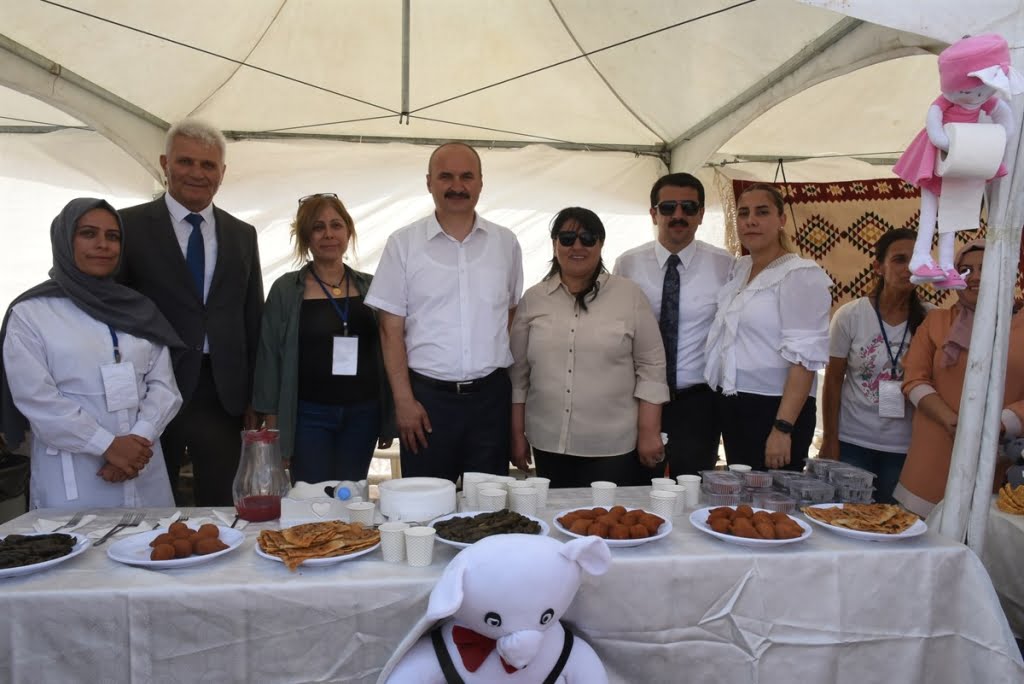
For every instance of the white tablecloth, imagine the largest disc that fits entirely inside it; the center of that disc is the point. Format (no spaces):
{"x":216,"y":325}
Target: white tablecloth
{"x":688,"y":608}
{"x":1004,"y":560}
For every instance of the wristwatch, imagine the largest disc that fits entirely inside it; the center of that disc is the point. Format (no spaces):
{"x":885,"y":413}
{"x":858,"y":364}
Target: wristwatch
{"x":783,"y":426}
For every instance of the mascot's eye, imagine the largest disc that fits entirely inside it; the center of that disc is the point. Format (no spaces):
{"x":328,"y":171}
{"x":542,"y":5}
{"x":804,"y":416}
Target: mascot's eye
{"x":546,"y":616}
{"x":493,"y":619}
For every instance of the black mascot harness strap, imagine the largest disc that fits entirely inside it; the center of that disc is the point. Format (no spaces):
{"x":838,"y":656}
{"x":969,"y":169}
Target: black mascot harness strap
{"x":452,"y":676}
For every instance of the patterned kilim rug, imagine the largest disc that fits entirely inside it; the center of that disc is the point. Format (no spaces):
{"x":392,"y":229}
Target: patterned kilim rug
{"x":837,"y":225}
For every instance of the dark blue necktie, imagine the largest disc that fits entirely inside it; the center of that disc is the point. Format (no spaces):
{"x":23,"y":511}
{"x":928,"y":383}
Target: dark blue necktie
{"x":195,"y":253}
{"x":669,"y":321}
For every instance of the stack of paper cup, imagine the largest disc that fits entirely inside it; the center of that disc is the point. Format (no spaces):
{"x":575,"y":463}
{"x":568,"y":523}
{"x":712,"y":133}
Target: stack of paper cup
{"x":663,"y":503}
{"x":361,"y":512}
{"x":523,"y":500}
{"x":492,"y":498}
{"x":692,"y":484}
{"x":419,"y":545}
{"x":603,"y":493}
{"x":470,"y":482}
{"x":541,"y":484}
{"x":392,"y":541}
{"x":661,"y":482}
{"x":680,"y":492}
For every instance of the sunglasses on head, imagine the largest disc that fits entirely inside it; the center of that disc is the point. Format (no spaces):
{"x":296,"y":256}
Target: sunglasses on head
{"x":567,"y":238}
{"x":319,"y":194}
{"x":668,"y":207}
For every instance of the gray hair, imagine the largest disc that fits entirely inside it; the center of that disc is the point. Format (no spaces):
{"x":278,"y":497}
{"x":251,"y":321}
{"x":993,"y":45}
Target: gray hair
{"x":197,"y":129}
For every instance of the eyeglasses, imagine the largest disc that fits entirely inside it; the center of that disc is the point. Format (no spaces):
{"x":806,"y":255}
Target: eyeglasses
{"x":567,"y":238}
{"x":668,"y":207}
{"x":302,"y":200}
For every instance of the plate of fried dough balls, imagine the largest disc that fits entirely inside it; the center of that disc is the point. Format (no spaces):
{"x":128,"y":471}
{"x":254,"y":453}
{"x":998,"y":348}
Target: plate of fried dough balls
{"x":618,"y":525}
{"x":750,"y":526}
{"x":177,"y":546}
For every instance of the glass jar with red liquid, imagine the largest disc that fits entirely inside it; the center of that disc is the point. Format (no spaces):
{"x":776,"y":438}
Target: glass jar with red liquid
{"x":260,"y":481}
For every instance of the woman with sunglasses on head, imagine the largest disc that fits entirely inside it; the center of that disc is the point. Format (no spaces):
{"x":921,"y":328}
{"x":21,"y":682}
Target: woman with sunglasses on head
{"x":319,"y":374}
{"x":867,"y":421}
{"x":86,"y":362}
{"x":588,"y":377}
{"x":768,"y":340}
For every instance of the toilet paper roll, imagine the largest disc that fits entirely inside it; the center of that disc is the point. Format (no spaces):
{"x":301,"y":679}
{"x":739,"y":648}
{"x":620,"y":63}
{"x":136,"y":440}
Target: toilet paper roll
{"x":975,"y":153}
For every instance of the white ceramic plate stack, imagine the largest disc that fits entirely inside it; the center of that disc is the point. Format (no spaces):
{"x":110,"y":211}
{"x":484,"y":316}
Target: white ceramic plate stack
{"x":544,"y":529}
{"x":417,"y":499}
{"x":81,"y":544}
{"x":699,"y":519}
{"x":917,"y":529}
{"x":135,"y":550}
{"x":662,"y":532}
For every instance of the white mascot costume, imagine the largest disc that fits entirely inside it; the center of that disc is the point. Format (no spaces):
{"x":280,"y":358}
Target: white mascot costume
{"x":505,"y":595}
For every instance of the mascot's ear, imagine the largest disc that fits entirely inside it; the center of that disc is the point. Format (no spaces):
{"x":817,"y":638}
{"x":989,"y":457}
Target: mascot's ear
{"x":446,"y":597}
{"x":591,"y":553}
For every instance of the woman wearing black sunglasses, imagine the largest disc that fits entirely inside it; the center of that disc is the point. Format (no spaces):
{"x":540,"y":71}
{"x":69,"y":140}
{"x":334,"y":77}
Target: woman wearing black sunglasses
{"x":588,"y":379}
{"x":319,"y":374}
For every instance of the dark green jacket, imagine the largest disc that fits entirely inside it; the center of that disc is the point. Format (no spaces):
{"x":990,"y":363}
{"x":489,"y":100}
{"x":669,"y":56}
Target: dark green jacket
{"x":276,"y":385}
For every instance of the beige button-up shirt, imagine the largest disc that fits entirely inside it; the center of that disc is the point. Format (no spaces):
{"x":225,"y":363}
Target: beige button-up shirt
{"x":582,"y":373}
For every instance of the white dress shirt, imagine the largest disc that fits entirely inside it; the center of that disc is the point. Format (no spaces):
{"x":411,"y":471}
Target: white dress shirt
{"x":52,"y":354}
{"x":182,"y":231}
{"x":764,"y":326}
{"x":455,"y":296}
{"x":703,"y":270}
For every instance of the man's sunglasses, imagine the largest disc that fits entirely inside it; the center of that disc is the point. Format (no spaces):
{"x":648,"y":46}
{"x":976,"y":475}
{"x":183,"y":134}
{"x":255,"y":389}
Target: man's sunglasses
{"x":668,"y":207}
{"x":302,"y":200}
{"x":567,"y":238}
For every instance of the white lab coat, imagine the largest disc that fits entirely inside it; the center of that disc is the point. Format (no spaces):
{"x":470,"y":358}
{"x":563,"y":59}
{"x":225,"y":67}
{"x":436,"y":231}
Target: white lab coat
{"x":52,"y":355}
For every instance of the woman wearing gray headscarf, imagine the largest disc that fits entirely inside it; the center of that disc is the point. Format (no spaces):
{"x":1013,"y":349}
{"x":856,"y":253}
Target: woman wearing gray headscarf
{"x":86,"y":365}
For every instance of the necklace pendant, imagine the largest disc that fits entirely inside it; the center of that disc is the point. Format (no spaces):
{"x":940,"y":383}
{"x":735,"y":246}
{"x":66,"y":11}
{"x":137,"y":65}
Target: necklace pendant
{"x":336,"y":291}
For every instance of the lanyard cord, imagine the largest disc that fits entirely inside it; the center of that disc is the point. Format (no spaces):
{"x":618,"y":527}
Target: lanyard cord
{"x":342,"y":313}
{"x":117,"y":348}
{"x":888,"y":350}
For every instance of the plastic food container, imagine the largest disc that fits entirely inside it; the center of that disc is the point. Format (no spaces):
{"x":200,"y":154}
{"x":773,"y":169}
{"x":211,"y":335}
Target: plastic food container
{"x":713,"y":499}
{"x":782,"y":479}
{"x":853,"y":493}
{"x":852,"y":476}
{"x":820,"y":467}
{"x":812,"y":491}
{"x":775,"y":502}
{"x":757,"y":479}
{"x":720,"y":482}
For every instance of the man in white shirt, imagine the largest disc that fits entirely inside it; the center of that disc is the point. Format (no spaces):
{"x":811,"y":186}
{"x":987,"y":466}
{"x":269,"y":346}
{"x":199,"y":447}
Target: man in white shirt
{"x":446,"y":288}
{"x":692,"y":272}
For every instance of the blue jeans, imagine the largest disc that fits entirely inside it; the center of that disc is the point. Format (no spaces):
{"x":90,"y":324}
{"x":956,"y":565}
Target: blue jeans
{"x":885,"y":464}
{"x":334,"y":442}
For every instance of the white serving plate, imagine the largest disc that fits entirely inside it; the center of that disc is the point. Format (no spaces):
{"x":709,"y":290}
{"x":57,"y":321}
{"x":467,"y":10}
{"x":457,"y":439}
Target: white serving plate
{"x":416,"y":499}
{"x":317,"y":562}
{"x":81,"y":544}
{"x":915,"y":530}
{"x":135,"y":550}
{"x":663,"y":531}
{"x":700,"y":516}
{"x":544,"y":529}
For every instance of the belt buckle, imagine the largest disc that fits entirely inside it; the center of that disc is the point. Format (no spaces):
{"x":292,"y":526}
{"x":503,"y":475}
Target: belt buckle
{"x":467,"y":384}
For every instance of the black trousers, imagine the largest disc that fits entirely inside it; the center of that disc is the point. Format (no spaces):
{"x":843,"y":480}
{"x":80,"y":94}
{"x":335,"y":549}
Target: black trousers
{"x":213,"y":438}
{"x":694,"y":431}
{"x":746,"y":421}
{"x":564,"y":470}
{"x":470,"y":431}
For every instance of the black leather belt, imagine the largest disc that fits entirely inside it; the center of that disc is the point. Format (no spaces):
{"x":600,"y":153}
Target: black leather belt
{"x":464,"y":387}
{"x":686,"y":391}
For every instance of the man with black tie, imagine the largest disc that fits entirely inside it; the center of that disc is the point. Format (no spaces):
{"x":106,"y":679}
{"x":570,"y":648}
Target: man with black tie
{"x":681,"y":277}
{"x":201,"y":267}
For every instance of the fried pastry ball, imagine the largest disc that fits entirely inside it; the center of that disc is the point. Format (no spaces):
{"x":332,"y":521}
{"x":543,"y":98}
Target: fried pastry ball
{"x":164,"y":538}
{"x":631,"y":518}
{"x":761,"y":517}
{"x":588,"y":514}
{"x":765,"y":530}
{"x":180,"y":530}
{"x":638,"y":531}
{"x":651,"y":522}
{"x":599,"y":529}
{"x":581,"y":526}
{"x":719,"y":524}
{"x":722,"y":512}
{"x":568,"y":519}
{"x":742,"y":527}
{"x":207,"y":545}
{"x":208,"y":530}
{"x":618,"y":532}
{"x":182,"y":548}
{"x":787,"y":530}
{"x":744,"y":511}
{"x":778,"y":516}
{"x":162,"y":552}
{"x":599,"y":511}
{"x":618,"y":510}
{"x":608,"y":519}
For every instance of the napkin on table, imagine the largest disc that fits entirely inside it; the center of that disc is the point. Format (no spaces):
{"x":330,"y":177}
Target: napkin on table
{"x":228,"y":518}
{"x":45,"y":526}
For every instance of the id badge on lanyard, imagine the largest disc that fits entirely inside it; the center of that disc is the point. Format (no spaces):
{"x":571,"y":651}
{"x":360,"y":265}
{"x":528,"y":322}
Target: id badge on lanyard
{"x":345,"y":353}
{"x":891,"y":402}
{"x":119,"y":386}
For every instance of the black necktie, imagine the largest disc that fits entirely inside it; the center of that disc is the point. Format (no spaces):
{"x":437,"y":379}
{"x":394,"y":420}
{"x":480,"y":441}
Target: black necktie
{"x":669,"y":321}
{"x":195,"y":253}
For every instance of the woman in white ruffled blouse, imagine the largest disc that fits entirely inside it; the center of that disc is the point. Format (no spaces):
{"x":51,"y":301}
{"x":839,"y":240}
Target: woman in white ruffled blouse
{"x":768,"y":340}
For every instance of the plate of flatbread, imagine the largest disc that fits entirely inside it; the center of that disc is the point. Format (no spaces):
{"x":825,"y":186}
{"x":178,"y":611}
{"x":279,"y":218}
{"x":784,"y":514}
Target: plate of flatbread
{"x":320,"y":543}
{"x":871,"y":522}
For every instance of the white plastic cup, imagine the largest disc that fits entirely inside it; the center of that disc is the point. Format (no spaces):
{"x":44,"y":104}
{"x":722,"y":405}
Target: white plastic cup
{"x":661,"y":482}
{"x":419,"y":545}
{"x":603,"y":493}
{"x":361,"y":512}
{"x":680,"y":492}
{"x":523,"y":500}
{"x":739,"y":468}
{"x":492,"y":498}
{"x":663,"y":503}
{"x":470,"y":486}
{"x":692,"y":484}
{"x":541,"y":484}
{"x":392,"y":541}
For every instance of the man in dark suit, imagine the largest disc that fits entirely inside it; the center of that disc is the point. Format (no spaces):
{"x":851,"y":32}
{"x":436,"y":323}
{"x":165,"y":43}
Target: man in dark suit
{"x":201,"y":267}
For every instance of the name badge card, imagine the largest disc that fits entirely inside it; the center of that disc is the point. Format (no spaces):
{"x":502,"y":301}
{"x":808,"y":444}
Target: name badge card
{"x":119,"y":385}
{"x":346,"y":356}
{"x":891,"y":403}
